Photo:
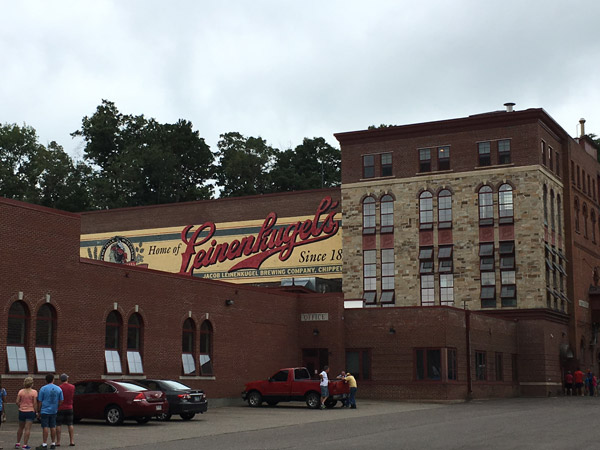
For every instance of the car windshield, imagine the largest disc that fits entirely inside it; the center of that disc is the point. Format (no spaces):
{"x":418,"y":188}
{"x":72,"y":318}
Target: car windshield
{"x":175,"y":385}
{"x":131,"y":387}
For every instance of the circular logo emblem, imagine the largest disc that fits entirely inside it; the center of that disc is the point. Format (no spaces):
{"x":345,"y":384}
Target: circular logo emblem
{"x":118,"y":250}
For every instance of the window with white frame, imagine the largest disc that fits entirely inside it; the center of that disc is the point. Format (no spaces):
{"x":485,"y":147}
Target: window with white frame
{"x":188,"y":341}
{"x":427,"y":290}
{"x":134,"y":344}
{"x":16,"y":339}
{"x":387,"y":275}
{"x":387,"y":214}
{"x":370,"y":276}
{"x":486,"y":206}
{"x":368,"y":215}
{"x":505,"y":204}
{"x":206,"y":348}
{"x":44,"y":338}
{"x":112,"y":343}
{"x":426,"y":211}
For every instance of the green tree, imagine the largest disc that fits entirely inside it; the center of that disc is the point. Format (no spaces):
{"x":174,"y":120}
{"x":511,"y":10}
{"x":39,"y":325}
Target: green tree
{"x":243,"y":165}
{"x":139,"y":161}
{"x":311,"y":165}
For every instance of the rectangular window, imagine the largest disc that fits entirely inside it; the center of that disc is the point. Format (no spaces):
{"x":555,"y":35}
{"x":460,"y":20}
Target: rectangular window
{"x":444,"y":158}
{"x":480,"y":366}
{"x":189,"y":366}
{"x":425,"y":260}
{"x":427,"y":290}
{"x":428,"y":364}
{"x":550,"y":165}
{"x":368,"y":166}
{"x":508,"y":290}
{"x":452,"y":371}
{"x":358,"y":363}
{"x":134,"y":361}
{"x":484,"y":153}
{"x":543,"y":144}
{"x":425,"y":160}
{"x":387,"y":275}
{"x":499,"y":367}
{"x":386,"y":165}
{"x":504,"y":151}
{"x":445,"y":259}
{"x":370,"y":275}
{"x":447,"y":289}
{"x":113,"y":361}
{"x":17,"y":358}
{"x":45,"y":359}
{"x":557,"y":164}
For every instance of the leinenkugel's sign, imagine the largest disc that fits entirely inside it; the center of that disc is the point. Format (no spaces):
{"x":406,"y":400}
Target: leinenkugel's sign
{"x":243,"y":252}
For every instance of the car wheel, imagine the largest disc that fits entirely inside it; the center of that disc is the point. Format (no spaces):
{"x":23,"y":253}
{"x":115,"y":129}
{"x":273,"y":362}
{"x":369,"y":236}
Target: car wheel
{"x":254,"y":398}
{"x":113,"y":415}
{"x":187,"y":416}
{"x":330,"y":403}
{"x":141,"y":420}
{"x":313,"y":400}
{"x":271,"y":402}
{"x":164,"y":417}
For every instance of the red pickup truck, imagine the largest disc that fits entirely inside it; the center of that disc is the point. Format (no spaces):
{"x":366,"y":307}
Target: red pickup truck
{"x":293,"y":384}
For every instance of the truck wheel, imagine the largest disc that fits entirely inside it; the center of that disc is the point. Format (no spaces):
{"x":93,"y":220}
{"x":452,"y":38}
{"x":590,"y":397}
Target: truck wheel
{"x":313,"y":400}
{"x":330,"y":403}
{"x":254,"y":398}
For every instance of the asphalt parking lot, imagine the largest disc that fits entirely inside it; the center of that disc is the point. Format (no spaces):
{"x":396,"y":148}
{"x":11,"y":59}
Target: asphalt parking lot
{"x":546,"y":423}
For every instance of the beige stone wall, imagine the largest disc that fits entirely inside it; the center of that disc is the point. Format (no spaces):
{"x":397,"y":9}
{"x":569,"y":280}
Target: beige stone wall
{"x":529,"y":233}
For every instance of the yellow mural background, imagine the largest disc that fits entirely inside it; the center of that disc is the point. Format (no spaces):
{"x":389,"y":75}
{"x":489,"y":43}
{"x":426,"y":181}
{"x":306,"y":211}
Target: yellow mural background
{"x":161,"y":248}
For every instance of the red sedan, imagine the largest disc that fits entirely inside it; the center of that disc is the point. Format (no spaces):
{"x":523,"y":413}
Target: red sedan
{"x":115,"y":401}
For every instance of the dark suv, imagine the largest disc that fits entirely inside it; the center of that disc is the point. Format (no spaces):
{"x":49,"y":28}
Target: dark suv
{"x":183,"y":400}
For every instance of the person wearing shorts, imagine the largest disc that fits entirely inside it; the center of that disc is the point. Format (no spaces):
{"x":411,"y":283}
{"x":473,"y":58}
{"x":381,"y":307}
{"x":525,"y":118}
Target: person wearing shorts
{"x":324,"y":385}
{"x":27,"y":404}
{"x":50,"y":398}
{"x":65,"y":410}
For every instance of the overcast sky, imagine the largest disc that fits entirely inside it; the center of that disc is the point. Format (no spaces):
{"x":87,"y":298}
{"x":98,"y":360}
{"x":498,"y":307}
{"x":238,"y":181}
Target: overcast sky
{"x":285,"y":70}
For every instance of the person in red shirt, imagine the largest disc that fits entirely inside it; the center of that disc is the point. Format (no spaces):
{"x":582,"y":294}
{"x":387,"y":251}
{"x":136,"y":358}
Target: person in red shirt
{"x":578,"y":379}
{"x":569,"y":383}
{"x":65,"y":411}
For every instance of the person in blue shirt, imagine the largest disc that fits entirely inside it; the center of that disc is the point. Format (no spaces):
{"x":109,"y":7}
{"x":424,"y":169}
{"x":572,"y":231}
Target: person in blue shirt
{"x":49,"y":399}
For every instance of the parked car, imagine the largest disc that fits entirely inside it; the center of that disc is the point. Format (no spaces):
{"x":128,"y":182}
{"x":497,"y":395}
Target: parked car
{"x":293,"y":384}
{"x":183,"y":400}
{"x":116,"y":400}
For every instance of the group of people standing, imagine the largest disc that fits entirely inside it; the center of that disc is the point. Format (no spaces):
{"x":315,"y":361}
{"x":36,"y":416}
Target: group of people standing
{"x":581,"y":384}
{"x":53,"y":405}
{"x":347,"y":377}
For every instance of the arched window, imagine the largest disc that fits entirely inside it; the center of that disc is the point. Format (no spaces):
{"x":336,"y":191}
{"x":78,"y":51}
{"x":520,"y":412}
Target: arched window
{"x":486,"y":206}
{"x":426,"y":210}
{"x":112,"y":343}
{"x":505,"y":204}
{"x":585,"y":221}
{"x":45,"y":326}
{"x":593,"y":217}
{"x":135,"y":329}
{"x":445,"y":209}
{"x":558,"y":215}
{"x":369,"y":215}
{"x":188,"y":346}
{"x":576,"y":204}
{"x":545,"y":205}
{"x":552,"y":209}
{"x":16,"y":340}
{"x":387,"y":214}
{"x":206,"y":348}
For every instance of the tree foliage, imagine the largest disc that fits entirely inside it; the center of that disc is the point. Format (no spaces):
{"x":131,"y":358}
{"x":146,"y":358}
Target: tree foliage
{"x":139,"y":161}
{"x":311,"y":165}
{"x":244,"y":165}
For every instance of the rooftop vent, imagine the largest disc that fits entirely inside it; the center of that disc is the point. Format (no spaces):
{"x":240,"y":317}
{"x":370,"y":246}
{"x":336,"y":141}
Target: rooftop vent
{"x":509,"y":106}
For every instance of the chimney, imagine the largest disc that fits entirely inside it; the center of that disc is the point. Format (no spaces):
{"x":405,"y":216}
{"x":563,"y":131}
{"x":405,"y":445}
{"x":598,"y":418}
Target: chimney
{"x":509,"y":106}
{"x":581,"y":127}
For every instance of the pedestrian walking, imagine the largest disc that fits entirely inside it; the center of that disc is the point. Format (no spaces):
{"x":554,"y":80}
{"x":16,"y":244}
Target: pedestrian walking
{"x":27,"y":404}
{"x":569,"y":383}
{"x":65,"y":410}
{"x":578,"y":379}
{"x":49,"y":399}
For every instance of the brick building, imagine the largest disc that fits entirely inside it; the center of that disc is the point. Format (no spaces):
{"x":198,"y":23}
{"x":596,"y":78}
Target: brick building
{"x":469,"y":254}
